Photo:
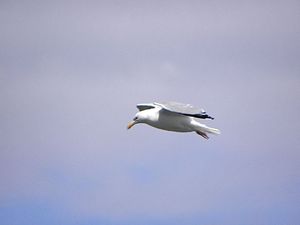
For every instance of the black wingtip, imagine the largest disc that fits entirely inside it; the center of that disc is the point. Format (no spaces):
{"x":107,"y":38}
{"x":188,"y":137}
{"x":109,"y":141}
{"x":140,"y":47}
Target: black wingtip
{"x":207,"y":117}
{"x":201,"y":116}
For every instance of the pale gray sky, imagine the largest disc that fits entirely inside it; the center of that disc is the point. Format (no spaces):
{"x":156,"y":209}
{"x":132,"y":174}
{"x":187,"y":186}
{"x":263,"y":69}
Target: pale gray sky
{"x":72,"y":73}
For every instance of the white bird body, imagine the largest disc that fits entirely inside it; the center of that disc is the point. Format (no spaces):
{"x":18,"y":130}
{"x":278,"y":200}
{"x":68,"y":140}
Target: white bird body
{"x":165,"y":120}
{"x":180,"y":120}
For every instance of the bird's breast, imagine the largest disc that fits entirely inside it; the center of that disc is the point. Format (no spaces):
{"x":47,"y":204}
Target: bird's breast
{"x":172,"y":122}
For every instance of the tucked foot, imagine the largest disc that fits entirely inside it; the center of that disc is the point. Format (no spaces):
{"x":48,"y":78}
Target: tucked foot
{"x":202,"y":134}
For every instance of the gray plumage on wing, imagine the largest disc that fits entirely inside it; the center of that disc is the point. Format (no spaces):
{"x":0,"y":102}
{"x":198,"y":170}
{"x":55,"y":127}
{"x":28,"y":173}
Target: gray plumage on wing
{"x":176,"y":107}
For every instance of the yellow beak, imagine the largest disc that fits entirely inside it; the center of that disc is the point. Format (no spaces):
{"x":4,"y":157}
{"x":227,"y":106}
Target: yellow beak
{"x":131,"y":124}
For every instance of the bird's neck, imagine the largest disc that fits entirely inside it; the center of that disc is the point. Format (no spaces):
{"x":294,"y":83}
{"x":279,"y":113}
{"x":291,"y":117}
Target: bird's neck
{"x":152,"y":115}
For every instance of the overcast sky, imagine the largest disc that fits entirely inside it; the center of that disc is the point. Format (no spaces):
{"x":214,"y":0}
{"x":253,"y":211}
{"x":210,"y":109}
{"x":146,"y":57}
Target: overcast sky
{"x":72,"y":73}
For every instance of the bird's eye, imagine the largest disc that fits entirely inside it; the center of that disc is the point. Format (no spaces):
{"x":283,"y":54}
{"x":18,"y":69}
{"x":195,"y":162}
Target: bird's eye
{"x":135,"y":118}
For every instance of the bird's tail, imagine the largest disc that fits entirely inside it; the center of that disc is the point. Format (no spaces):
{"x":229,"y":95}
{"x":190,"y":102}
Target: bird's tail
{"x":203,"y":128}
{"x":212,"y":130}
{"x":207,"y":129}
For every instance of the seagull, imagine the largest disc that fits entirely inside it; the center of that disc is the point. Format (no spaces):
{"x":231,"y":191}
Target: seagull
{"x":173,"y":116}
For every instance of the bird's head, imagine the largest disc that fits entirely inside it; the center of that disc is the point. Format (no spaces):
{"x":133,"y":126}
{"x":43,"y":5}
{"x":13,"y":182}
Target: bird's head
{"x":140,"y":117}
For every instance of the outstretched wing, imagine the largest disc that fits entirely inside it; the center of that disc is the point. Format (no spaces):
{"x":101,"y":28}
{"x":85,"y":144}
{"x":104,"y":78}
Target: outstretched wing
{"x":145,"y":106}
{"x":184,"y":109}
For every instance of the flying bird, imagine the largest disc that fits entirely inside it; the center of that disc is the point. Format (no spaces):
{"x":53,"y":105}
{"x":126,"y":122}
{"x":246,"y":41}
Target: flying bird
{"x":173,"y":116}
